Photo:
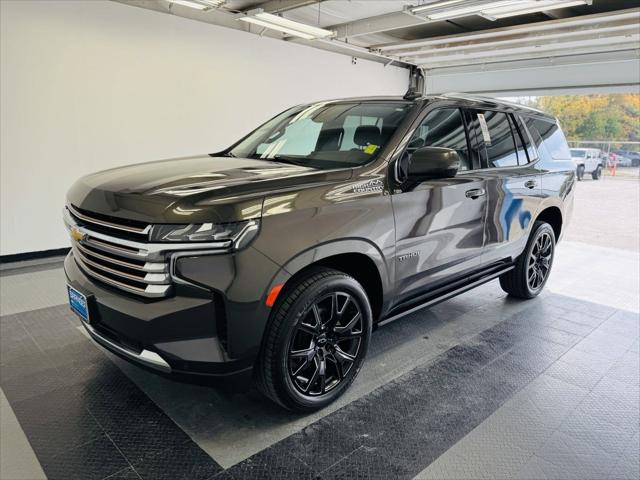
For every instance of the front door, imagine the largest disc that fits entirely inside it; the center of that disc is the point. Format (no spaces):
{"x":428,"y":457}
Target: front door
{"x":439,"y":223}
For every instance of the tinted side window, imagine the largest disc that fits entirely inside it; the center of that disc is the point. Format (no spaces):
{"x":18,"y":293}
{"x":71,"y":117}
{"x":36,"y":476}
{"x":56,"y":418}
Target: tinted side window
{"x":443,"y":128}
{"x":527,"y":138}
{"x":498,"y":139}
{"x":554,"y":139}
{"x":520,"y":145}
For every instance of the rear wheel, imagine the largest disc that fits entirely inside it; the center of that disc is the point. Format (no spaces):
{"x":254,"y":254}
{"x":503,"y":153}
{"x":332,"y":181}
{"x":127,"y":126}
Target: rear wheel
{"x":316,"y":342}
{"x":597,"y":173}
{"x":580,"y":172}
{"x":533,"y":266}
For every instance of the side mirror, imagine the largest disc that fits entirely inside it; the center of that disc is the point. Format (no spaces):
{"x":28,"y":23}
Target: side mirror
{"x":433,"y":162}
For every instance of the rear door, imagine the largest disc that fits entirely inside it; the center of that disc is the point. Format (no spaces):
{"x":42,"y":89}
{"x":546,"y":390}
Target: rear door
{"x":513,"y":183}
{"x":439,"y":223}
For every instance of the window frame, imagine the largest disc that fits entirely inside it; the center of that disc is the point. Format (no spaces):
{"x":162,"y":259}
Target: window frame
{"x":418,"y":123}
{"x":476,"y":108}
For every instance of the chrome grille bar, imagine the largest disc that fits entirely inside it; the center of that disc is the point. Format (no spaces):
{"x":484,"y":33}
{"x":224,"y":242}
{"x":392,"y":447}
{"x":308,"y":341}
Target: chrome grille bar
{"x":140,"y":268}
{"x":150,"y":278}
{"x":147,"y":267}
{"x":104,"y":223}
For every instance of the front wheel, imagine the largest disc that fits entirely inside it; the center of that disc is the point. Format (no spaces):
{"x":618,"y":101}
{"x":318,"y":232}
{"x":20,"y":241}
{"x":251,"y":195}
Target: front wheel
{"x":533,"y":266}
{"x":597,"y":173}
{"x":316,"y":341}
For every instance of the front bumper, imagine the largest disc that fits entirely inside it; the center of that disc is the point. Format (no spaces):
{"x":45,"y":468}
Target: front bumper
{"x":177,"y":334}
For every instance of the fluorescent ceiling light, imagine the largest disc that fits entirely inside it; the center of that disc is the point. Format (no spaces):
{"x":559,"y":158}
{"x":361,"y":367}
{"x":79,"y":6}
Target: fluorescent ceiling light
{"x":431,"y":6}
{"x":275,"y":22}
{"x":199,"y":4}
{"x":504,"y":13}
{"x":449,"y":9}
{"x":473,"y":9}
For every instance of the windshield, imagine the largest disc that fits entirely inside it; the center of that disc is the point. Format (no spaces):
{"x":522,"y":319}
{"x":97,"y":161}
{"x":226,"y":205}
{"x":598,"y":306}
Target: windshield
{"x":325,"y":135}
{"x":578,"y":153}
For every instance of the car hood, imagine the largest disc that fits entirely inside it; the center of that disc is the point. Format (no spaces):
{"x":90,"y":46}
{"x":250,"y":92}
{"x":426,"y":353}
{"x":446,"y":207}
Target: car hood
{"x":193,"y":189}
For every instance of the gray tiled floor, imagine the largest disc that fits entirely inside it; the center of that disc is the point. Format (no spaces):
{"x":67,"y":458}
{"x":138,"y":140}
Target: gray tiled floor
{"x":575,"y":417}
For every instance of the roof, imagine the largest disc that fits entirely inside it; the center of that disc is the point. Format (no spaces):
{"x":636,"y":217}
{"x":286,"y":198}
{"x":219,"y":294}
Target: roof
{"x":474,"y":99}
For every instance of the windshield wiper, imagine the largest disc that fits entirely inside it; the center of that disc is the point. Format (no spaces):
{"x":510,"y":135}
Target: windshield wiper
{"x":289,"y":160}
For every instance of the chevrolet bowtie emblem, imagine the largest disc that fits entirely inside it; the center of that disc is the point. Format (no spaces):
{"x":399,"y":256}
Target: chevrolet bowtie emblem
{"x":77,"y":235}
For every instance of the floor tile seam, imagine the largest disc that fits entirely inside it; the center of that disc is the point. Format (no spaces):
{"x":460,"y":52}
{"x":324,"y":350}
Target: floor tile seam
{"x":319,"y":474}
{"x":122,"y":454}
{"x":580,"y":403}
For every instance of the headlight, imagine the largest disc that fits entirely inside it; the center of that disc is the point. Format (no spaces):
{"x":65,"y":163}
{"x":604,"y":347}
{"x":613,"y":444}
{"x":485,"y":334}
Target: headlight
{"x":239,"y":234}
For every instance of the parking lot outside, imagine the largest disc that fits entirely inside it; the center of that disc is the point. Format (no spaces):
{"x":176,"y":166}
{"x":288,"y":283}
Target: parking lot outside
{"x":607,"y":212}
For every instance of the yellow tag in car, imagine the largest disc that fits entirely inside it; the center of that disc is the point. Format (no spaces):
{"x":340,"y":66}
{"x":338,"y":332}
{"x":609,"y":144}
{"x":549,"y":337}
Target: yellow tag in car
{"x":370,"y":149}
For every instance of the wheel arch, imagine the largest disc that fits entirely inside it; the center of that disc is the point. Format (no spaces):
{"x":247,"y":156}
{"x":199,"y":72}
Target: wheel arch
{"x":553,"y":216}
{"x":357,"y":258}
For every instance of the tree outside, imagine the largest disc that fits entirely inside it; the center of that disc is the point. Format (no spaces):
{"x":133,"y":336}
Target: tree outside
{"x":593,"y":117}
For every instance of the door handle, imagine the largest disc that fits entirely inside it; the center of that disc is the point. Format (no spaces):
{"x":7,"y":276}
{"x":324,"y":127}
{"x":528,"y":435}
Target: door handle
{"x":475,"y":193}
{"x":530,"y":184}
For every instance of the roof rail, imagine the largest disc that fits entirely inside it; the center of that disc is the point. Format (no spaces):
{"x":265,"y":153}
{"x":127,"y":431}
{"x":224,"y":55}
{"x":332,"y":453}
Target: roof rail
{"x":480,"y":98}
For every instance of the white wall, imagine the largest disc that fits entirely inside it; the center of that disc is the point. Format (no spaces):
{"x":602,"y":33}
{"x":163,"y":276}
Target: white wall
{"x":89,"y":85}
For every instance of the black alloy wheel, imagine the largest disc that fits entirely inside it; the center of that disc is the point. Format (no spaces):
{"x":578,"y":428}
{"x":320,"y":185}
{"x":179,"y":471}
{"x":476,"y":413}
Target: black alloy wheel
{"x":540,"y":259}
{"x":325,"y":344}
{"x":316,"y":340}
{"x":533,"y":267}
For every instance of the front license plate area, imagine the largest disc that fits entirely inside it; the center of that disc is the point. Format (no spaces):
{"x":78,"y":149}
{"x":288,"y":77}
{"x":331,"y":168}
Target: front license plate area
{"x":78,"y":303}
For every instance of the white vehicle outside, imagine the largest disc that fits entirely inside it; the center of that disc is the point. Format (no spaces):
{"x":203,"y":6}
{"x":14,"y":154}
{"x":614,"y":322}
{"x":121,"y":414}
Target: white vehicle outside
{"x":587,"y":160}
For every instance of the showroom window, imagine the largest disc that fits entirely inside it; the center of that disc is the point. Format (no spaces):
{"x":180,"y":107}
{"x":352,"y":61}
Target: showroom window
{"x":443,"y":128}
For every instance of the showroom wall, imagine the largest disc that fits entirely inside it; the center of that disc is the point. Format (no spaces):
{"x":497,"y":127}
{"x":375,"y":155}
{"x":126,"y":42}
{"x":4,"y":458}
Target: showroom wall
{"x":89,"y":85}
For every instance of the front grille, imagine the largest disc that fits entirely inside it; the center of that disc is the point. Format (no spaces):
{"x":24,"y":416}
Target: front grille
{"x":130,"y":229}
{"x":115,"y":259}
{"x":118,"y":252}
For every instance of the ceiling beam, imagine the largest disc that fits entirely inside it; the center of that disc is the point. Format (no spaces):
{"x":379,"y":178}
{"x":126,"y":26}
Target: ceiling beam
{"x":528,"y":28}
{"x":484,"y":63}
{"x":227,"y":19}
{"x":377,"y":24}
{"x":494,"y":48}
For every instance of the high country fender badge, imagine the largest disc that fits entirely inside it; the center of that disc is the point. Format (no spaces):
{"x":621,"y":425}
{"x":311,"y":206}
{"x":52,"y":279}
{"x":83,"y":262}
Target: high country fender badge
{"x":371,"y":186}
{"x":407,"y":256}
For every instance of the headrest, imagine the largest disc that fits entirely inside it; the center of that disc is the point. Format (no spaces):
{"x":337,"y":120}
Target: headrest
{"x":367,"y":134}
{"x":329,"y":139}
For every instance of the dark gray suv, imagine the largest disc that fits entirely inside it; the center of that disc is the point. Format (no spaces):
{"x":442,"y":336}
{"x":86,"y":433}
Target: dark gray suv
{"x":283,"y":252}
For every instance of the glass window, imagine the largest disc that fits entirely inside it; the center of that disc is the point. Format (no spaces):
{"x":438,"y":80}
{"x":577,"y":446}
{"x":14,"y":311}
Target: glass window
{"x":325,"y":135}
{"x":521,"y":150}
{"x":578,"y":153}
{"x":495,"y":130}
{"x":443,"y":128}
{"x":554,"y":139}
{"x":526,"y":136}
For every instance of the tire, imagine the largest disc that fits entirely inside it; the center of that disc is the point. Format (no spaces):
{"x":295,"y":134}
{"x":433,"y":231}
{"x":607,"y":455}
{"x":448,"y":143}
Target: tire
{"x":522,"y":282}
{"x":297,"y":348}
{"x":597,"y":173}
{"x":580,"y":173}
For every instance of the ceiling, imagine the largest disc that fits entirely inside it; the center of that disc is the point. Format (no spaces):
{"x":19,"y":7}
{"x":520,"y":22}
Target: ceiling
{"x":394,"y":32}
